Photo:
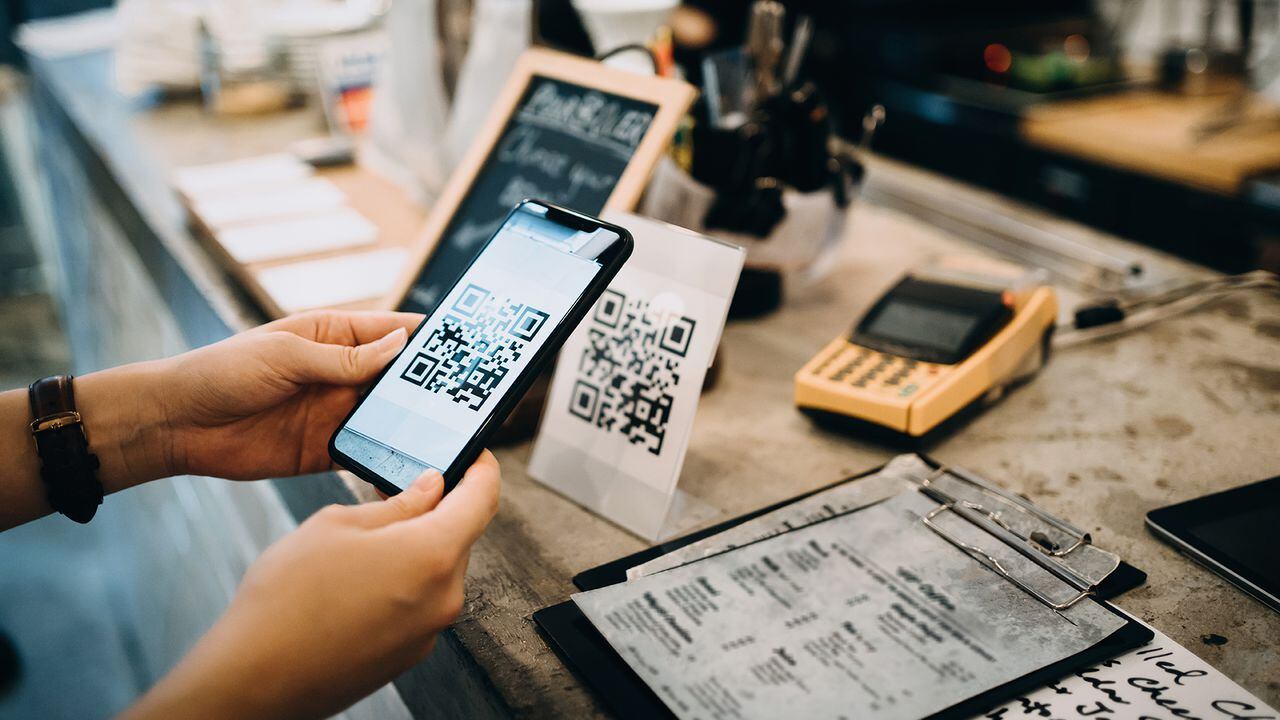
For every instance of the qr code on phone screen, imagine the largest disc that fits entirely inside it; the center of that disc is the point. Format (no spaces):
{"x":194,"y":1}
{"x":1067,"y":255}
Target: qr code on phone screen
{"x":628,"y":371}
{"x":474,"y":347}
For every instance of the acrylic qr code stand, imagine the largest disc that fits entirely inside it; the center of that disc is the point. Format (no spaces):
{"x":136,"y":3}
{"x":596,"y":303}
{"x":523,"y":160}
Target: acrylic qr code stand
{"x":621,"y":406}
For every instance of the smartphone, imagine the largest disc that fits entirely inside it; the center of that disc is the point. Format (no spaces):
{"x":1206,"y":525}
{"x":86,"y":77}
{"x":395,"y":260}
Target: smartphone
{"x":474,"y":356}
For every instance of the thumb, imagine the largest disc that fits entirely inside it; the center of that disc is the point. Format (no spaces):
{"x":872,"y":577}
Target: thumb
{"x":419,"y":498}
{"x":345,"y":364}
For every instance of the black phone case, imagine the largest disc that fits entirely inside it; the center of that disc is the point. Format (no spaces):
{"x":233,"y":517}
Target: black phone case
{"x":507,"y":403}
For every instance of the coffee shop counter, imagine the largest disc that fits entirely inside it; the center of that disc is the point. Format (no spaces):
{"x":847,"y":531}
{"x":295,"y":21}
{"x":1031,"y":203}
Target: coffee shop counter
{"x":1108,"y":430}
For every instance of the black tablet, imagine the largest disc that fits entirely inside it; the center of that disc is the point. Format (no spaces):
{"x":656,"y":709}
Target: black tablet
{"x":1232,"y":533}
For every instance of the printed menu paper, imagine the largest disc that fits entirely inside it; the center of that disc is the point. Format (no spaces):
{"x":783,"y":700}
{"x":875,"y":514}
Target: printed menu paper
{"x":902,"y":472}
{"x":1161,"y":679}
{"x":622,"y":401}
{"x":1086,"y":561}
{"x":868,"y":614}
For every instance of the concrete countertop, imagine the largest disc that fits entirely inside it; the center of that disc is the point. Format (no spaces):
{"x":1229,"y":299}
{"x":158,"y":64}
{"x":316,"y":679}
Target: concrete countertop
{"x":1107,"y":432}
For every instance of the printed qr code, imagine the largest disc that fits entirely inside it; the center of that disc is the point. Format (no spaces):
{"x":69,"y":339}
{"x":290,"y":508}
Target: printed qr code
{"x":474,"y":347}
{"x":629,"y":370}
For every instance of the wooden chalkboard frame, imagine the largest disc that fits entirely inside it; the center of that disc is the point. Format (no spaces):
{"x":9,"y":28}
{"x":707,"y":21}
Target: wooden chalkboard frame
{"x":672,"y":98}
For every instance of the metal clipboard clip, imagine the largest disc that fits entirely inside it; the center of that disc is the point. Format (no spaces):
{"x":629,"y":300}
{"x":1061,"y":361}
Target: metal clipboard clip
{"x":990,"y":560}
{"x":1053,"y":544}
{"x":1040,"y":540}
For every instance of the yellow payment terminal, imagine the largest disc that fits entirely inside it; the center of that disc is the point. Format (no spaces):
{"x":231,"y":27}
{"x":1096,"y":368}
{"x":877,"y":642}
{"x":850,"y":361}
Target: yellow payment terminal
{"x":940,"y":339}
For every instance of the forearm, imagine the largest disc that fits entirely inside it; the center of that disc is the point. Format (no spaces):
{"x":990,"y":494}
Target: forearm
{"x":203,"y":686}
{"x":124,"y":418}
{"x":249,"y":669}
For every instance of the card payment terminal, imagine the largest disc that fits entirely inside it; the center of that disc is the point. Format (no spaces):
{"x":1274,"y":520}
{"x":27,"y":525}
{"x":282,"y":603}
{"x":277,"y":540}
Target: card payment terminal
{"x":941,"y":338}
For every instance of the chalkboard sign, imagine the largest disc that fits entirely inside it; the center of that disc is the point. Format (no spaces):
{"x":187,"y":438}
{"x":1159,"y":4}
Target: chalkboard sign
{"x":566,"y":130}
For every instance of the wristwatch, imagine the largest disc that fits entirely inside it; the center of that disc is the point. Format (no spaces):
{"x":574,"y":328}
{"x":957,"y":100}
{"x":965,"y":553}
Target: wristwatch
{"x":68,"y":469}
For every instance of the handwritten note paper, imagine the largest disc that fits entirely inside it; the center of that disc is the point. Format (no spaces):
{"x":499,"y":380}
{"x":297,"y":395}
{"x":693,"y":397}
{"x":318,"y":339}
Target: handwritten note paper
{"x":1159,"y":680}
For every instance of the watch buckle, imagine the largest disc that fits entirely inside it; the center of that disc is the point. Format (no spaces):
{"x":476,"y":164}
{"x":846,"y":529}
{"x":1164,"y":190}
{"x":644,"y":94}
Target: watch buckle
{"x":55,"y":421}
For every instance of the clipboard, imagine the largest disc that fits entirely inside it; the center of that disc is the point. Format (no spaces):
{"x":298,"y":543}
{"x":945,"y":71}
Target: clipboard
{"x":589,"y":656}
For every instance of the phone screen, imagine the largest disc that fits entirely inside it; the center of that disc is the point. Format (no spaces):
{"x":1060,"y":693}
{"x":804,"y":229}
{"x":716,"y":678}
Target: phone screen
{"x":458,"y":364}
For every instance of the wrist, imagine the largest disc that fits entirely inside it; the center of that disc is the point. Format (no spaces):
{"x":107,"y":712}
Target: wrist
{"x":127,"y":424}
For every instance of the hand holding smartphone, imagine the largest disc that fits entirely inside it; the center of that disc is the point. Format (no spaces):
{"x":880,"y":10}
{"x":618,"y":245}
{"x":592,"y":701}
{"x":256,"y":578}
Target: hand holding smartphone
{"x":471,"y":360}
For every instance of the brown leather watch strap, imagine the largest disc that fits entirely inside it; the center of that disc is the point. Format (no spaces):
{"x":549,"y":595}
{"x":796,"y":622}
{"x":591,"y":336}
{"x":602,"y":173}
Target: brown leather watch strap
{"x":68,"y":468}
{"x":51,"y":395}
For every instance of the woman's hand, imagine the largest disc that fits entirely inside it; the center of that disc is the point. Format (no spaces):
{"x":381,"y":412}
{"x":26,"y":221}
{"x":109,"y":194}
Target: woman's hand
{"x":260,"y":404}
{"x":338,"y":608}
{"x":264,"y":403}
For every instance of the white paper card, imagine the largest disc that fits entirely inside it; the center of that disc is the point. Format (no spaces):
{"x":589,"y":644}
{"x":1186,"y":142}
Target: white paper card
{"x":622,"y":401}
{"x":1161,"y":679}
{"x":332,"y":281}
{"x":269,"y":202}
{"x":344,"y":228}
{"x":203,"y":180}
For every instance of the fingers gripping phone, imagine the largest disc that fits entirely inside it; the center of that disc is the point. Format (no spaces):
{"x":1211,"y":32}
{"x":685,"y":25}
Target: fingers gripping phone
{"x":472,"y":359}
